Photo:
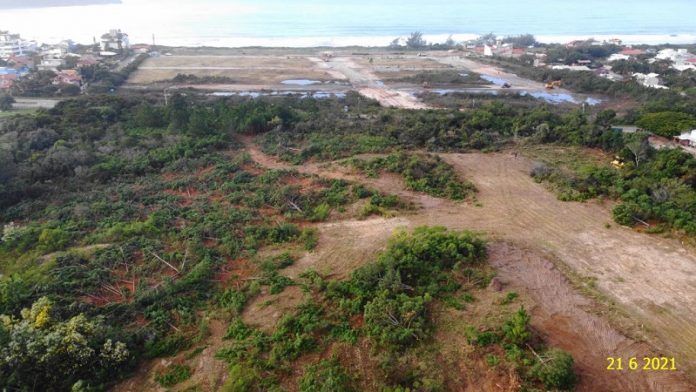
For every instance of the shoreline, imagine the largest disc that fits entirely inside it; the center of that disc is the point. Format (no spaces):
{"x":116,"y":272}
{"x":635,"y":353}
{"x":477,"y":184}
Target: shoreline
{"x":376,"y":41}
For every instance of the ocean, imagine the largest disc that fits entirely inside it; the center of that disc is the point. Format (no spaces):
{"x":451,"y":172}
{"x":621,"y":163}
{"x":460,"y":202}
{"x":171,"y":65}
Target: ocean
{"x":298,"y":23}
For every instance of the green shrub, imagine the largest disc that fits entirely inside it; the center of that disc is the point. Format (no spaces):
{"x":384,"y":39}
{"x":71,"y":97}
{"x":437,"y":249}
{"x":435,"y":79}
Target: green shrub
{"x":309,"y":238}
{"x":516,"y":328}
{"x":556,"y":371}
{"x":326,"y":376}
{"x":166,"y":346}
{"x":242,"y":379}
{"x":173,"y":375}
{"x":233,"y":300}
{"x":320,"y":212}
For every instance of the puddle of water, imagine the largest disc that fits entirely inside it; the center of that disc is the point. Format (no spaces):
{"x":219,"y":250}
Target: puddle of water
{"x":542,"y":95}
{"x":300,"y":82}
{"x":551,"y":98}
{"x":302,"y":94}
{"x":494,"y":80}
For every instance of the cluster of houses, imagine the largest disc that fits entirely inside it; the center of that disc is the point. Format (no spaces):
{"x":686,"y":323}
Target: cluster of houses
{"x":64,"y":59}
{"x":680,"y":59}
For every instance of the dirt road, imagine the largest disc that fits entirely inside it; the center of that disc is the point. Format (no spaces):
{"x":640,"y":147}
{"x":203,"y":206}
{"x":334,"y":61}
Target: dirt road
{"x":369,"y":85}
{"x":652,"y":278}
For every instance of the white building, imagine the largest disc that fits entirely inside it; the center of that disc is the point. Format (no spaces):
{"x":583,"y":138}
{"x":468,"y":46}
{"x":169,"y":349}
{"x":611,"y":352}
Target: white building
{"x":687,"y":138}
{"x":681,"y":58}
{"x":14,"y":45}
{"x":571,"y":67}
{"x":651,"y":80}
{"x":114,"y":40}
{"x":617,"y":57}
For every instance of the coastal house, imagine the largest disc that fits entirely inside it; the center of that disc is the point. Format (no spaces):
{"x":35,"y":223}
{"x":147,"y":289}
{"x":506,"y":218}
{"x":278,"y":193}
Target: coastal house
{"x":141,"y":48}
{"x":7,"y":81}
{"x":50,"y":64}
{"x":631,"y":52}
{"x":618,"y":57}
{"x":499,"y":49}
{"x":651,"y":80}
{"x":86,"y":60}
{"x":20,"y":61}
{"x":687,"y":139}
{"x":14,"y":45}
{"x":114,"y":41}
{"x":680,"y":58}
{"x":571,"y":67}
{"x":68,"y":76}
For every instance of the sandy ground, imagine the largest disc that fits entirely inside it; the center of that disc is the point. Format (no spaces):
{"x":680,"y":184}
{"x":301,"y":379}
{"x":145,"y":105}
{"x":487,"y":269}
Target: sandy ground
{"x":368,"y":84}
{"x":651,"y":277}
{"x":263,"y":70}
{"x":364,"y":72}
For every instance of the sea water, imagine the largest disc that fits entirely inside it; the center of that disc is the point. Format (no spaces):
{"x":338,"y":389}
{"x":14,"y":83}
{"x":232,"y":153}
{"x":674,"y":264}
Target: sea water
{"x":356,"y":22}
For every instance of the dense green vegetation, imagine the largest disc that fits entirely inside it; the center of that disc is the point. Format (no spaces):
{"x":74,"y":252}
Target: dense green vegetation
{"x":653,"y":186}
{"x":680,"y":99}
{"x":194,"y":79}
{"x":422,"y":173}
{"x":443,"y":77}
{"x":120,"y":218}
{"x":667,"y":123}
{"x":395,"y":297}
{"x":117,"y":217}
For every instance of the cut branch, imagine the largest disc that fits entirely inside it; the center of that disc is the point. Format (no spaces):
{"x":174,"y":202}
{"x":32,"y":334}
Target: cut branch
{"x":165,"y":262}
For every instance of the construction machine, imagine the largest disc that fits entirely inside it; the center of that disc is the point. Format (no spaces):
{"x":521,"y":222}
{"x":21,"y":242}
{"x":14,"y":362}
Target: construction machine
{"x":552,"y":85}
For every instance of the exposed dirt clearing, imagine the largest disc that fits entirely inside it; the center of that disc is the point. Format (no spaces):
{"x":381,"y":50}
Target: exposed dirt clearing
{"x":208,"y":373}
{"x":369,"y":85}
{"x":345,"y":246}
{"x":561,"y":316}
{"x":650,"y":276}
{"x":265,"y":310}
{"x":249,"y":70}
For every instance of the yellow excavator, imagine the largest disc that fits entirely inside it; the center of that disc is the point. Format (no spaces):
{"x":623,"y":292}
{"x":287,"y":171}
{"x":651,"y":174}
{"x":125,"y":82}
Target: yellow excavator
{"x":552,"y":85}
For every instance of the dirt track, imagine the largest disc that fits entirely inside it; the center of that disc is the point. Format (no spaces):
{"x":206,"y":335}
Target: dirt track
{"x":369,"y":85}
{"x":651,"y":277}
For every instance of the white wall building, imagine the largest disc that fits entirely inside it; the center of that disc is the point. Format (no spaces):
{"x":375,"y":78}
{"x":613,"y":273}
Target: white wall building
{"x":14,"y":45}
{"x":681,"y":58}
{"x":650,"y":80}
{"x":687,"y":138}
{"x":114,"y":40}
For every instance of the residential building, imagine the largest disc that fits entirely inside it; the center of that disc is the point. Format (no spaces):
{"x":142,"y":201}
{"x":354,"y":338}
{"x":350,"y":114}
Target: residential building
{"x":681,"y":58}
{"x":141,"y":48}
{"x":68,"y":76}
{"x":500,"y":49}
{"x":650,"y":80}
{"x":14,"y":45}
{"x":86,"y":59}
{"x":21,"y":61}
{"x":687,"y":139}
{"x":632,"y":52}
{"x":114,"y":40}
{"x":7,"y":81}
{"x":571,"y":67}
{"x":617,"y":57}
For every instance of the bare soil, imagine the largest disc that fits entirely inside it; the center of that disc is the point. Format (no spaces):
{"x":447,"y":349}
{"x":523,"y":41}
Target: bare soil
{"x":264,"y":71}
{"x":648,"y":277}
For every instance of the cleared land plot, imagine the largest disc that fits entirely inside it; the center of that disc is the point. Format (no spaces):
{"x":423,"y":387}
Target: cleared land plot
{"x":396,"y":67}
{"x":650,"y":277}
{"x":242,"y":69}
